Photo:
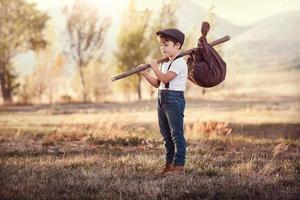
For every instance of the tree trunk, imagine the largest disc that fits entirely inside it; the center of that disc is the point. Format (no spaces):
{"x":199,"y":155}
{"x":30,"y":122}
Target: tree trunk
{"x":6,"y":91}
{"x":7,"y":97}
{"x":82,"y":78}
{"x":50,"y":96}
{"x":139,"y":89}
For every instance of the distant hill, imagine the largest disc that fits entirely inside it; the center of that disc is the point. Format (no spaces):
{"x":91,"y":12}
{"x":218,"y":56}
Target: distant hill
{"x":272,"y":44}
{"x":191,"y":15}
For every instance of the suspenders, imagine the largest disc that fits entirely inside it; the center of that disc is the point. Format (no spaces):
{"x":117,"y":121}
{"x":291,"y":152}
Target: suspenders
{"x":167,"y":85}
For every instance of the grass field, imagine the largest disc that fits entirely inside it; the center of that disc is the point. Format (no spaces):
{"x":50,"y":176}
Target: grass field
{"x":236,"y":150}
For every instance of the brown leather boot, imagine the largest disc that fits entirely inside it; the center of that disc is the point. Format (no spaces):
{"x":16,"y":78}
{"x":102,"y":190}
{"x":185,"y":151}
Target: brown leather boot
{"x":168,"y":167}
{"x":178,"y":170}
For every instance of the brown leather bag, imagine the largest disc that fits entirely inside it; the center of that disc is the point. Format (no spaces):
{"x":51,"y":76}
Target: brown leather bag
{"x":206,"y":68}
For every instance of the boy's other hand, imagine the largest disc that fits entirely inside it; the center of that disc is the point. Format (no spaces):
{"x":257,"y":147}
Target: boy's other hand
{"x":154,"y":65}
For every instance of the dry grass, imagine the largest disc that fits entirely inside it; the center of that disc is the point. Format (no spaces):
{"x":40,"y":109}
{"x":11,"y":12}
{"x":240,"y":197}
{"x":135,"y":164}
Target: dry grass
{"x":103,"y":153}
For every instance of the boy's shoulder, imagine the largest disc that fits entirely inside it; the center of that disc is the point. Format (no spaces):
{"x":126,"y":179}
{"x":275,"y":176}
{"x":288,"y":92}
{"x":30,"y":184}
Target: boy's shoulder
{"x":180,"y":61}
{"x":179,"y":66}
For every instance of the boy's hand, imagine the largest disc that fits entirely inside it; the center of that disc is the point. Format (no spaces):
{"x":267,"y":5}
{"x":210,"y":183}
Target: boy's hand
{"x":154,"y":65}
{"x":142,"y":72}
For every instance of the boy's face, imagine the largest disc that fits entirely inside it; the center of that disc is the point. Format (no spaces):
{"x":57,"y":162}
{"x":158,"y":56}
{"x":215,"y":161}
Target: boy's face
{"x":167,"y":47}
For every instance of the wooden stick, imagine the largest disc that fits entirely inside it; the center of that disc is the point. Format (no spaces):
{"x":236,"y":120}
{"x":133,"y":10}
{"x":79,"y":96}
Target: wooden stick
{"x":145,"y":66}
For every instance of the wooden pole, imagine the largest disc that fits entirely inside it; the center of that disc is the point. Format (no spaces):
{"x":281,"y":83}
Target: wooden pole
{"x":145,"y":66}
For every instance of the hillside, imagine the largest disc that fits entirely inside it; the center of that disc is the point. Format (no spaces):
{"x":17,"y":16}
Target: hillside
{"x":271,"y":44}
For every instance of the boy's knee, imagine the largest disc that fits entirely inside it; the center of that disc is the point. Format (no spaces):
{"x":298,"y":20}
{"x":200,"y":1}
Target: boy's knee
{"x":178,"y":137}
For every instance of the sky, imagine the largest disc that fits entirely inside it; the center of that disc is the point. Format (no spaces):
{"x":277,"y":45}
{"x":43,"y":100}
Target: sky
{"x":245,"y":12}
{"x":239,"y":12}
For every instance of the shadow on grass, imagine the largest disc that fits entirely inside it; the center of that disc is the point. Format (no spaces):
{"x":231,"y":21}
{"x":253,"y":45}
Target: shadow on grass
{"x":268,"y":131}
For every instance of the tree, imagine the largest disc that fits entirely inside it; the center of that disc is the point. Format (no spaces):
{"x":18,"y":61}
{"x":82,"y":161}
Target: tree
{"x":47,"y":74}
{"x":49,"y":67}
{"x":26,"y":90}
{"x":56,"y":71}
{"x":21,"y":30}
{"x":97,"y":81}
{"x":133,"y":47}
{"x":86,"y":30}
{"x":40,"y":78}
{"x":43,"y":81}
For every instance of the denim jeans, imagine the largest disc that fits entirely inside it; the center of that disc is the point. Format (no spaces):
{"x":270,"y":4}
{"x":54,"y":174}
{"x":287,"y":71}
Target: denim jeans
{"x":170,"y":109}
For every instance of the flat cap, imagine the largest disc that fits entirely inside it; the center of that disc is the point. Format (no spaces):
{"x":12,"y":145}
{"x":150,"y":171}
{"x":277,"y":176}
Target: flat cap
{"x":173,"y":33}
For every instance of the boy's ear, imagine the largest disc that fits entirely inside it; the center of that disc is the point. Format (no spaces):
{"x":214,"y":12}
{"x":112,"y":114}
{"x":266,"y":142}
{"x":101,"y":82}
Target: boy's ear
{"x":178,"y":45}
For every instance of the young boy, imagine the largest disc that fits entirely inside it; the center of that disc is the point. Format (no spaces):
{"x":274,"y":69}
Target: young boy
{"x":171,"y":81}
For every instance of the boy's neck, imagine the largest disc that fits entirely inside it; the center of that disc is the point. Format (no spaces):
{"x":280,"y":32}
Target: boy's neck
{"x":174,"y":56}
